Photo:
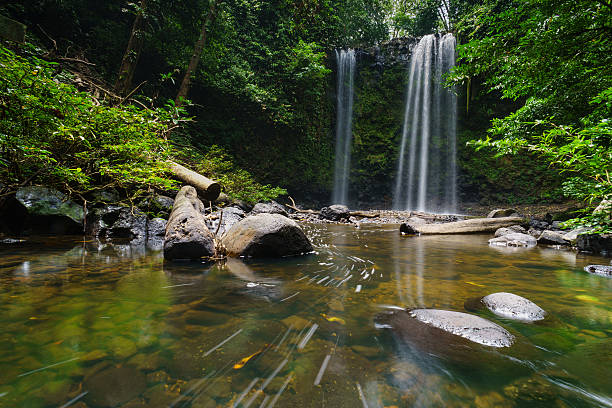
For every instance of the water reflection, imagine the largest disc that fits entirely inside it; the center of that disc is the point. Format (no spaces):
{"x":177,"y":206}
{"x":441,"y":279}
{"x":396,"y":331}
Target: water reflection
{"x":80,"y":317}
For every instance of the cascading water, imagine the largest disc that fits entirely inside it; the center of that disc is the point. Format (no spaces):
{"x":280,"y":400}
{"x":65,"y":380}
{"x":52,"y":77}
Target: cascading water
{"x":344,"y":132}
{"x":427,"y":166}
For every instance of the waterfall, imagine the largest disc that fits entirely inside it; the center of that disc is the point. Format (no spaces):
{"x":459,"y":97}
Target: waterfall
{"x":426,"y":177}
{"x":344,"y":133}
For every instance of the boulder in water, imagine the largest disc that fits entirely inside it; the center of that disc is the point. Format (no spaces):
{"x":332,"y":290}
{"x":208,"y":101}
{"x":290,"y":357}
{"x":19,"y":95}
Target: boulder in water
{"x":428,"y":326}
{"x":187,"y":236}
{"x":514,"y":239}
{"x":596,"y":243}
{"x":115,"y":221}
{"x":473,"y":328}
{"x":505,"y":212}
{"x":335,"y":212}
{"x":271,"y":207}
{"x":601,"y":270}
{"x":510,"y":230}
{"x":512,"y":306}
{"x":549,"y":237}
{"x":408,"y":229}
{"x":266,"y":235}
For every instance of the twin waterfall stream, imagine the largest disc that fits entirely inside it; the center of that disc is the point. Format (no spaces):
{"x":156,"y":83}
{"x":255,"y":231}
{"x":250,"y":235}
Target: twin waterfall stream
{"x":344,"y":130}
{"x":426,"y":175}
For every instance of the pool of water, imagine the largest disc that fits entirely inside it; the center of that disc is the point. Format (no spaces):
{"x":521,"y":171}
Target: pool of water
{"x":91,"y":325}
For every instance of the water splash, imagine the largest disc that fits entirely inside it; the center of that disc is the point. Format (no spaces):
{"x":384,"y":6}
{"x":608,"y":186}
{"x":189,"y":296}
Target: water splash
{"x":344,"y":132}
{"x":427,"y":181}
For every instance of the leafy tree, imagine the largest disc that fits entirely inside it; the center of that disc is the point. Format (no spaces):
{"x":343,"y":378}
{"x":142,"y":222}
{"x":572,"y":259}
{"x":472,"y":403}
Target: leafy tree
{"x":554,"y":58}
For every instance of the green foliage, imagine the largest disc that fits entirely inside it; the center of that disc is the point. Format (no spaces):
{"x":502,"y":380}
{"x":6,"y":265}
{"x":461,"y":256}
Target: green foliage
{"x":554,"y":59}
{"x":417,"y":18}
{"x":237,"y":183}
{"x":53,"y":134}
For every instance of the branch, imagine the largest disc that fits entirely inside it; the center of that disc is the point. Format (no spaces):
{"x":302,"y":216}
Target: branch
{"x":75,"y":60}
{"x":132,"y":93}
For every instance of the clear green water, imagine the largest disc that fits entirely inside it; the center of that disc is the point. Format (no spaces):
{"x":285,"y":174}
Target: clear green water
{"x":87,"y":326}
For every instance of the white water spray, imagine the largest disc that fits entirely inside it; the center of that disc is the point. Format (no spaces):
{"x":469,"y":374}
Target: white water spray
{"x":427,"y":181}
{"x":344,"y":131}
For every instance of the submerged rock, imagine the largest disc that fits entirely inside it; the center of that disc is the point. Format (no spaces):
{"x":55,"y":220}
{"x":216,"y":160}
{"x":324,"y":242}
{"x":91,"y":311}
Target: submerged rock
{"x":114,"y":386}
{"x":601,"y":270}
{"x":514,"y":239}
{"x":271,"y":207}
{"x":549,"y":237}
{"x":512,"y":306}
{"x":266,"y":235}
{"x":187,"y":236}
{"x":506,"y":212}
{"x":335,"y":212}
{"x":596,"y":243}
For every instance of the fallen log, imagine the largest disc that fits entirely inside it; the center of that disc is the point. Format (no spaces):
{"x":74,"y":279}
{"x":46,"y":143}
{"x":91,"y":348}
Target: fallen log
{"x":472,"y":226}
{"x":209,"y":190}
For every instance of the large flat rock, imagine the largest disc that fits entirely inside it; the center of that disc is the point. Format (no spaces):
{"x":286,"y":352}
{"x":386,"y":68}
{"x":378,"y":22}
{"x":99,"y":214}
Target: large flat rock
{"x":471,"y":226}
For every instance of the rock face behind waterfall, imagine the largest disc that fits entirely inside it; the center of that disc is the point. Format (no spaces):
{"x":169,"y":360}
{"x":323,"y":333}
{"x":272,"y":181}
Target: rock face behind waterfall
{"x":187,"y":236}
{"x":266,"y":235}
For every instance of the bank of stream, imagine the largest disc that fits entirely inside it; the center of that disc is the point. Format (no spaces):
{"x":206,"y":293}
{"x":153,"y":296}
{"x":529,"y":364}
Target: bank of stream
{"x":86,"y":324}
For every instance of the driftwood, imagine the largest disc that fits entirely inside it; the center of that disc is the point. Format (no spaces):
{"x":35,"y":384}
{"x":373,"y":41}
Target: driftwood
{"x":472,"y":226}
{"x":209,"y":190}
{"x":298,"y":210}
{"x":364,"y":214}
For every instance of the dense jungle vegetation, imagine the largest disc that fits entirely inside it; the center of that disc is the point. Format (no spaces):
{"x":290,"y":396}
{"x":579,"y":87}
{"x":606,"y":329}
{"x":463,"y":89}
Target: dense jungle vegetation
{"x":103,"y":94}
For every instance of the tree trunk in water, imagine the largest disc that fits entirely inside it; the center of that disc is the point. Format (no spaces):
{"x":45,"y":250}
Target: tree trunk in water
{"x":197,"y":53}
{"x":187,"y":236}
{"x":472,"y":226}
{"x":132,"y":53}
{"x":208,"y":189}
